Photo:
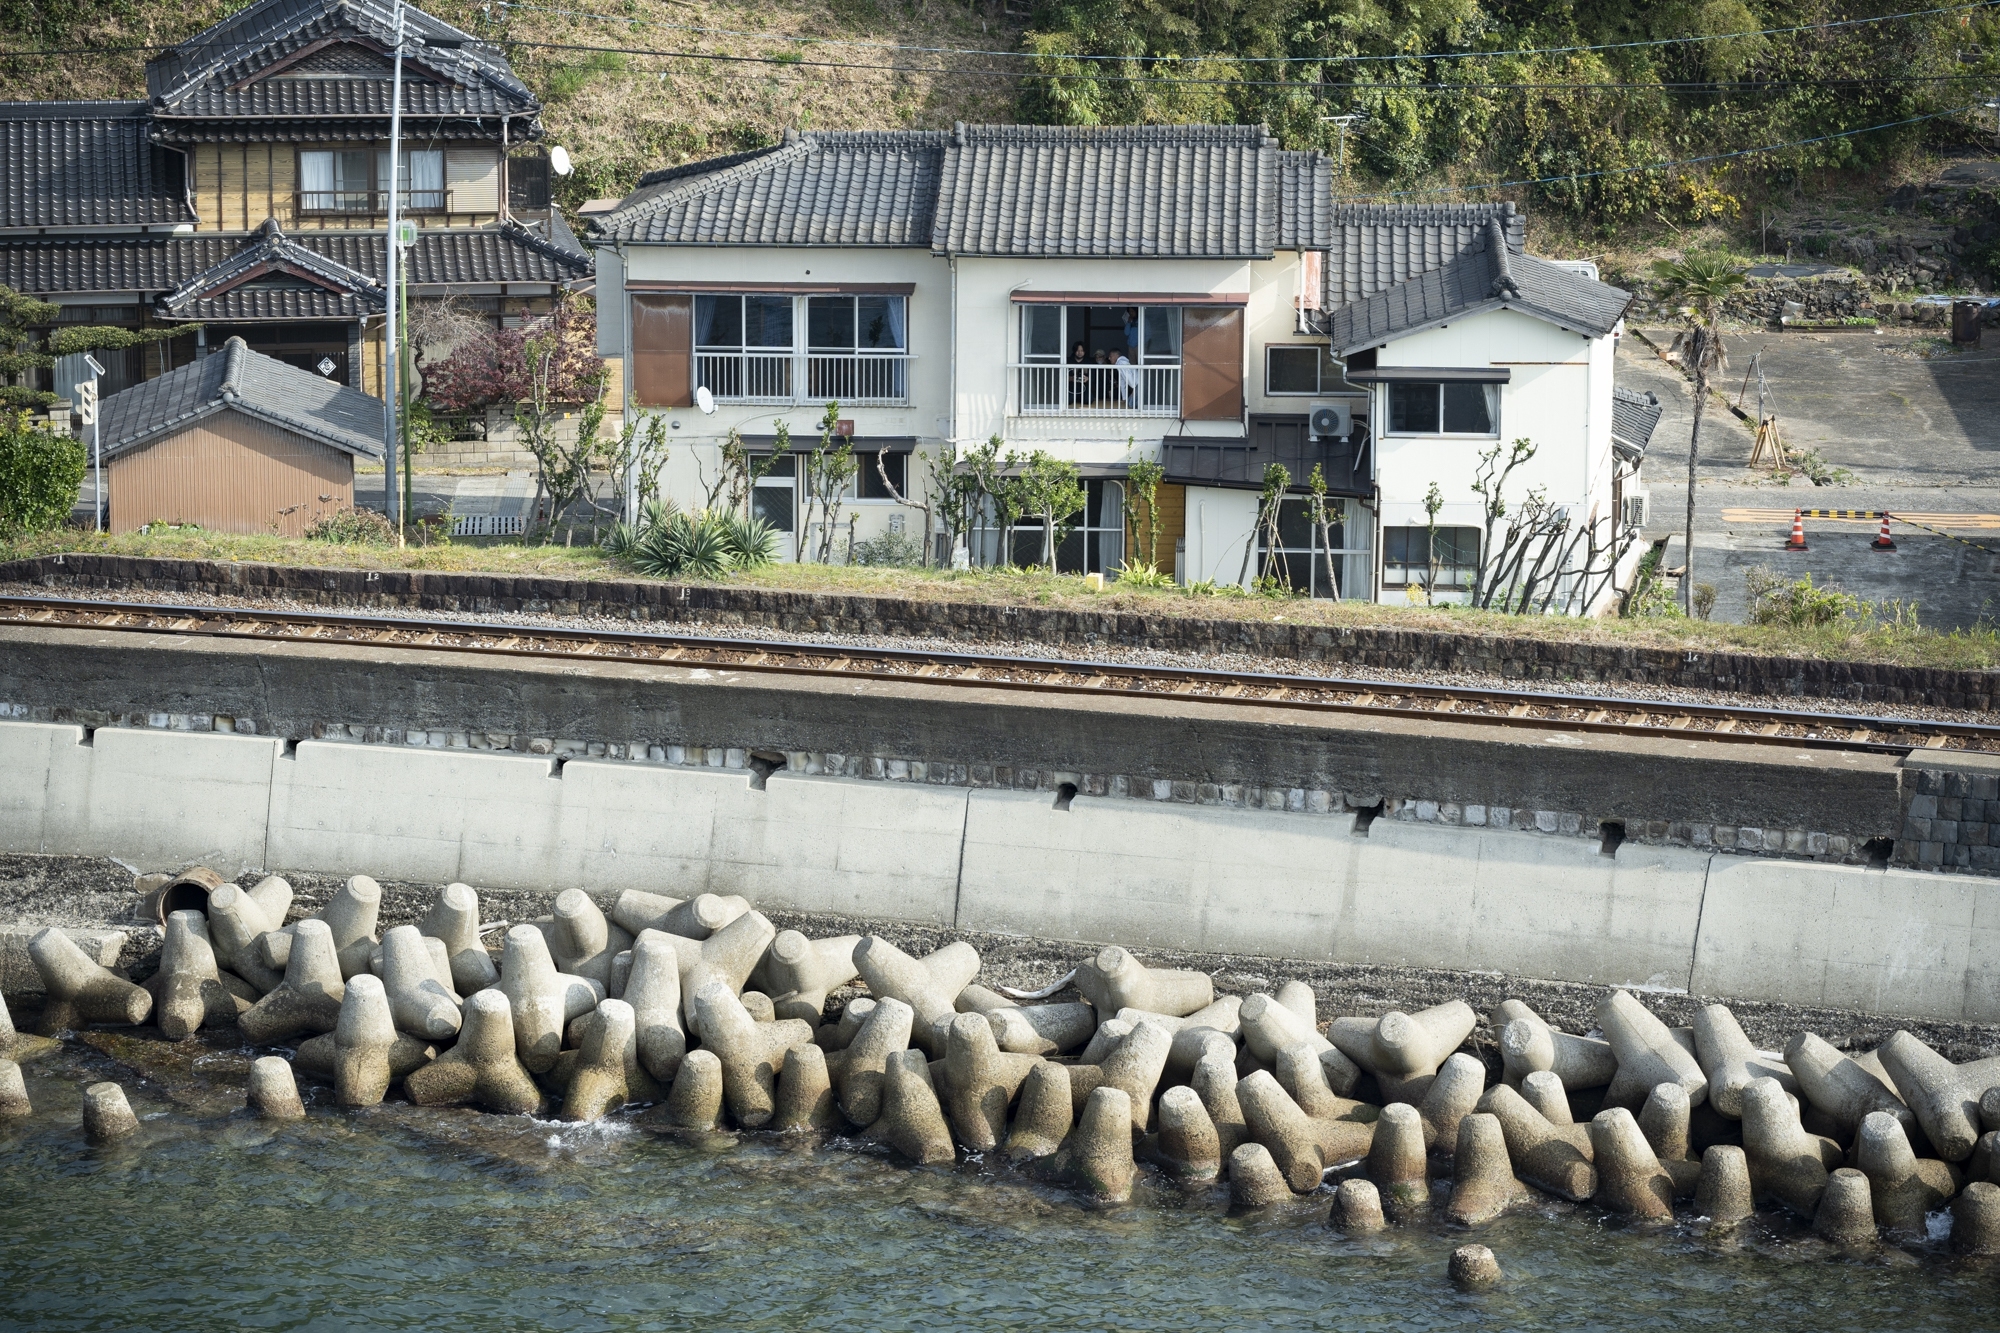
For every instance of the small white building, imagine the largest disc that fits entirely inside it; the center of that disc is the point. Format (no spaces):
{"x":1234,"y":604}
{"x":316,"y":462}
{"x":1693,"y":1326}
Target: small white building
{"x":1188,"y":295}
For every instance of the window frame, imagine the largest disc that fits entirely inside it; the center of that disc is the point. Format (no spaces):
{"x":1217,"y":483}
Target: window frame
{"x":1454,"y":575}
{"x":1322,"y":365}
{"x":857,"y":491}
{"x":375,"y":199}
{"x":1489,"y":389}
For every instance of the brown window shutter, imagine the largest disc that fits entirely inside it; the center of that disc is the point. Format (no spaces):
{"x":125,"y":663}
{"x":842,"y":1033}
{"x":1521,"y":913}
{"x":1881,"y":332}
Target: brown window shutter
{"x":1211,"y":363}
{"x":662,"y":350}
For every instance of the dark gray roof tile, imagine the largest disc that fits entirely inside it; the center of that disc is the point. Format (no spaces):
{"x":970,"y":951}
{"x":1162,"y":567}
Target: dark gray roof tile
{"x":85,"y":164}
{"x":235,"y":378}
{"x":1376,"y":246}
{"x":1634,"y":418}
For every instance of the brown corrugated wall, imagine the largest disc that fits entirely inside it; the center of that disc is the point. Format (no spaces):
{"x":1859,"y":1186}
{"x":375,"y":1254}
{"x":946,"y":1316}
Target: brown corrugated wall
{"x":231,"y":473}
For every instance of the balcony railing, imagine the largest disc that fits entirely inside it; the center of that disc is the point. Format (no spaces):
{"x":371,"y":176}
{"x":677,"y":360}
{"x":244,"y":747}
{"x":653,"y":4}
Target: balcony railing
{"x":1099,"y":391}
{"x":373,"y":201}
{"x":861,"y":378}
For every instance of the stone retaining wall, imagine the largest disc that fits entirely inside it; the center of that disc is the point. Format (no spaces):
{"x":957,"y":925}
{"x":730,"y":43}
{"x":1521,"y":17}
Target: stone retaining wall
{"x":1361,"y":647}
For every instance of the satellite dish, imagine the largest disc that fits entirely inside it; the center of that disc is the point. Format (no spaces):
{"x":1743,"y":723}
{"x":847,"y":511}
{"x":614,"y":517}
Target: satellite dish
{"x":705,"y":400}
{"x":559,"y":161}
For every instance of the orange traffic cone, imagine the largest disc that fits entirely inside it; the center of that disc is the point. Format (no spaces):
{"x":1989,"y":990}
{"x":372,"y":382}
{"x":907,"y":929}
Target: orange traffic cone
{"x":1884,"y":542}
{"x":1798,"y":541}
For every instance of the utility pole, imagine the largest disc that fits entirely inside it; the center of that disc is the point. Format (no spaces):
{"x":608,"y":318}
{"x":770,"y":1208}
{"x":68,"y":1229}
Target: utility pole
{"x":86,"y":403}
{"x":391,"y":499}
{"x":1342,"y":124}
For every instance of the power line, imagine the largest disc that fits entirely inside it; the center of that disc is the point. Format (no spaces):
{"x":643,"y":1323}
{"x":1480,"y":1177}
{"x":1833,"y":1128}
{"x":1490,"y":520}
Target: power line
{"x":1663,"y":166}
{"x":635,"y":23}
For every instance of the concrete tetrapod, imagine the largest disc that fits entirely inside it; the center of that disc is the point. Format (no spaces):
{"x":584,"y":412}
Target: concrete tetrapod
{"x":482,"y":1069}
{"x":1785,"y":1161}
{"x":1254,"y":1178}
{"x":1483,"y":1183}
{"x":1269,"y":1027}
{"x":106,"y":1114}
{"x":1135,"y":1068}
{"x":13,"y":1091}
{"x":1846,"y":1215}
{"x":1544,"y":1091}
{"x":1985,"y":1157}
{"x":606,"y":1066}
{"x":1041,"y":1029}
{"x":1723,"y":1194}
{"x":1402,"y":1050}
{"x":751,"y":1052}
{"x":1045,"y":1115}
{"x":1104,"y":1041}
{"x":318,"y":1056}
{"x":1989,"y":1100}
{"x":911,"y":1120}
{"x":1303,"y":1077}
{"x":1841,"y":1088}
{"x":1630,"y":1178}
{"x":840,"y":1034}
{"x":1473,"y":1267}
{"x":422,"y":1005}
{"x":805,"y":1101}
{"x":929,"y":986}
{"x":1115,"y":980}
{"x":1975,"y":1219}
{"x":80,"y":991}
{"x":1664,"y":1120}
{"x":9,"y":1039}
{"x":1273,"y":1119}
{"x":1098,"y":1153}
{"x":1397,"y":1162}
{"x":727,"y":956}
{"x":1542,"y":1154}
{"x":797,"y":972}
{"x":350,"y":914}
{"x":543,"y":1000}
{"x":238,"y":918}
{"x":980,"y":1082}
{"x":1944,"y":1096}
{"x":695,"y":1100}
{"x":187,"y":990}
{"x":885,"y":1031}
{"x":454,"y":918}
{"x":1187,"y":1146}
{"x":1357,"y":1208}
{"x":1214,"y":1082}
{"x":696,"y":918}
{"x":584,"y":941}
{"x":361,"y":1041}
{"x":1730,"y":1062}
{"x":1647,"y":1054}
{"x":308,"y":998}
{"x":1903,"y":1186}
{"x":274,"y":1092}
{"x":653,"y":989}
{"x":1528,"y":1045}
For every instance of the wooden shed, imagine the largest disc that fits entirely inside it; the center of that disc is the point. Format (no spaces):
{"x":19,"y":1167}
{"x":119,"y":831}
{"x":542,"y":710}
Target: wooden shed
{"x":236,"y":442}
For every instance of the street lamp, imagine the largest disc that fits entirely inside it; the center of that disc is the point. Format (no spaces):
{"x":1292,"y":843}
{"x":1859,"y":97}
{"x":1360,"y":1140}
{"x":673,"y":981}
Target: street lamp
{"x":86,"y":410}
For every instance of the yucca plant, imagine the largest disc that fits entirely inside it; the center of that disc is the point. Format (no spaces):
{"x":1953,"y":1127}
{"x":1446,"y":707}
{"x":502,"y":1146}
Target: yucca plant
{"x":684,"y":546}
{"x":751,"y":541}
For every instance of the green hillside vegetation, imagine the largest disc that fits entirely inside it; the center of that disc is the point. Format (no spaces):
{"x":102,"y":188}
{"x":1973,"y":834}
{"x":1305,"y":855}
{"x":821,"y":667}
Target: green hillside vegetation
{"x":689,"y":78}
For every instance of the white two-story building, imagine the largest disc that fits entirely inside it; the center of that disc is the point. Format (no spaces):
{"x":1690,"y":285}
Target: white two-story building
{"x":1190,"y":295}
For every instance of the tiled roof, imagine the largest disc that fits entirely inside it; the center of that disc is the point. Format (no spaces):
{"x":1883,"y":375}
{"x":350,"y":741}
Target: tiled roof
{"x":1169,"y":191}
{"x":1222,"y":191}
{"x":1491,"y":276}
{"x":236,"y":378}
{"x":1376,"y":246}
{"x":248,"y":275}
{"x":872,"y":188}
{"x":1634,"y":418}
{"x":205,"y":76}
{"x":161,"y":264}
{"x":84,"y":164}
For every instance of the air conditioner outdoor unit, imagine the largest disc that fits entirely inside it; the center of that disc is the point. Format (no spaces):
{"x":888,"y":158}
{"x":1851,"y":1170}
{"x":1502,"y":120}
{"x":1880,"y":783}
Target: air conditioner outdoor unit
{"x":1332,"y":420}
{"x":1635,"y":511}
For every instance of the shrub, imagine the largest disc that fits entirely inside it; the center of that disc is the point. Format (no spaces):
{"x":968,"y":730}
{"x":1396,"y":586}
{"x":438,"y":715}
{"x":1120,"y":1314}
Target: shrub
{"x":1797,"y":603}
{"x":1143,"y":576}
{"x":353,"y":527}
{"x":891,"y":548}
{"x":40,"y":471}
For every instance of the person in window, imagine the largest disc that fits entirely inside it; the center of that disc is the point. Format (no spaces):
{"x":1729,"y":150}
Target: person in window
{"x":1079,"y":380}
{"x":1100,"y":379}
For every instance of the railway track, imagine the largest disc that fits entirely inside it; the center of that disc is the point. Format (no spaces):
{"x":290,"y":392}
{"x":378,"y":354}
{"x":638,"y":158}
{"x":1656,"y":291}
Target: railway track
{"x":1541,"y":710}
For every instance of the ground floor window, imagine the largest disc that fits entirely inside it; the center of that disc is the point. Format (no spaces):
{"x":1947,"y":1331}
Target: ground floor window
{"x":1093,"y":544}
{"x":1410,"y":554}
{"x":1302,"y":553}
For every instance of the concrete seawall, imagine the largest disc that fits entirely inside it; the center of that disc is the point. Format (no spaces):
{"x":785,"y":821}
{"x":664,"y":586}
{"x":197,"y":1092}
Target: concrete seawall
{"x":1332,"y":886}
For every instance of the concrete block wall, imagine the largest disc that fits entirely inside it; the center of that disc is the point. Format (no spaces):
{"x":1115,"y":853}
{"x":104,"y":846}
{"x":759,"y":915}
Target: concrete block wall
{"x":1229,"y":879}
{"x":1951,"y":815}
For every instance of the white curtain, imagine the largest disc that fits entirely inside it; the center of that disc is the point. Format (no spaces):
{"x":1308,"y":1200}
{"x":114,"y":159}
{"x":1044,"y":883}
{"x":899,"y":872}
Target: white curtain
{"x":896,"y":322}
{"x":316,"y":174}
{"x":427,"y":171}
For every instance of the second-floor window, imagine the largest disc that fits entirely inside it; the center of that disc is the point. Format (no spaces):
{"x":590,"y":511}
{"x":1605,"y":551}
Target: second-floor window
{"x":1450,"y":408}
{"x":1300,"y":368}
{"x":356,"y":180}
{"x":854,"y":348}
{"x":1101,"y":358}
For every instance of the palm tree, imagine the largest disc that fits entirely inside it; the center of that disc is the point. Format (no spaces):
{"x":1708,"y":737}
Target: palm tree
{"x":1697,"y":285}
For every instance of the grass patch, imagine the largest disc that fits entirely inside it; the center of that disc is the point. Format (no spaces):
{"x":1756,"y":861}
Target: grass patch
{"x":1889,"y":634}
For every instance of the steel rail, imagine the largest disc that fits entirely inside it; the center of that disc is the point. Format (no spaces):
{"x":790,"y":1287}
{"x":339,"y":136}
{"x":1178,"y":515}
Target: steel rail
{"x":1543,"y":710}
